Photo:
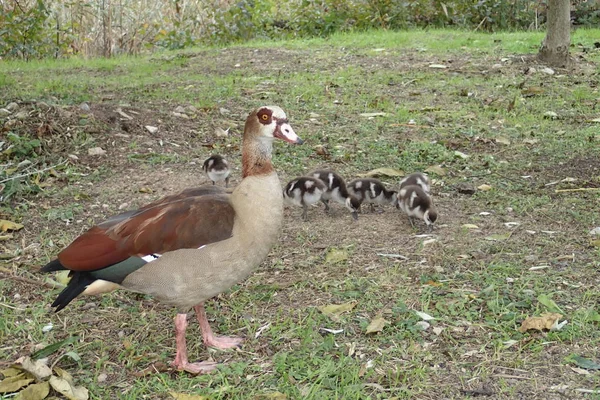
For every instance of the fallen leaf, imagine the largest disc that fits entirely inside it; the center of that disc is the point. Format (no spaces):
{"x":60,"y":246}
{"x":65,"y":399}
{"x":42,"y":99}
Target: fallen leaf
{"x":532,"y":91}
{"x":68,"y":389}
{"x":424,"y":316}
{"x":470,"y":226}
{"x":530,"y":141}
{"x":63,"y":278}
{"x":544,"y":322}
{"x":10,"y":372}
{"x":424,"y":325}
{"x":151,"y":129}
{"x":37,"y":391}
{"x":389,"y":172}
{"x":9,"y":226}
{"x":436,"y":169}
{"x":583,"y":362}
{"x":498,"y":237}
{"x":595,"y":243}
{"x":550,"y":115}
{"x":220,"y":132}
{"x":502,"y":140}
{"x":549,"y":303}
{"x":460,"y":154}
{"x":580,"y":371}
{"x":96,"y":151}
{"x":145,"y":189}
{"x":484,"y":187}
{"x":6,"y":237}
{"x":335,"y":310}
{"x":14,"y":383}
{"x":376,"y":325}
{"x":184,"y":396}
{"x":61,"y":373}
{"x":37,"y":368}
{"x":437,"y":66}
{"x":335,"y":255}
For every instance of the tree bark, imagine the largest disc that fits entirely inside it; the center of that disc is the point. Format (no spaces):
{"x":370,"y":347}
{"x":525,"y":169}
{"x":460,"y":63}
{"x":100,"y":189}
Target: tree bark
{"x":555,"y":47}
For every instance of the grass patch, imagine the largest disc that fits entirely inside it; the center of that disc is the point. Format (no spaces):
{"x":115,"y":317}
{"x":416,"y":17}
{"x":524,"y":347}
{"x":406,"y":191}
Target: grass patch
{"x":483,"y":120}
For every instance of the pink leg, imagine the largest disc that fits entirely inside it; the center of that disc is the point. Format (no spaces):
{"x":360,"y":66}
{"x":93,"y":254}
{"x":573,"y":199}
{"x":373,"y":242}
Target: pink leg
{"x":210,"y":340}
{"x":181,"y":359}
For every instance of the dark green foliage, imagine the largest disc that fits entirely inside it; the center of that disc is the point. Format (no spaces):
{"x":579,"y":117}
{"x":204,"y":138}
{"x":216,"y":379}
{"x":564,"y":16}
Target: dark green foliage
{"x":24,"y":33}
{"x":34,"y":31}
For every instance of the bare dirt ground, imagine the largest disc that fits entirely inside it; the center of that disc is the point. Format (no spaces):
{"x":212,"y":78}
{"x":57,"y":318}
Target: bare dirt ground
{"x":480,"y":286}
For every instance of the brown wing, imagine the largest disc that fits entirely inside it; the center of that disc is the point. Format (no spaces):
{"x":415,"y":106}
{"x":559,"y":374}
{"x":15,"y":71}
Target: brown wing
{"x":187,"y":222}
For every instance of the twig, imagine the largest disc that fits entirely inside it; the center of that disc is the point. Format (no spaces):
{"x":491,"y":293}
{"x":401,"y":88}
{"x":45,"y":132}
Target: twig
{"x":591,"y":391}
{"x":27,"y":280}
{"x":412,"y":125}
{"x":570,"y":190}
{"x":481,"y":23}
{"x":512,"y":377}
{"x":33,"y":172}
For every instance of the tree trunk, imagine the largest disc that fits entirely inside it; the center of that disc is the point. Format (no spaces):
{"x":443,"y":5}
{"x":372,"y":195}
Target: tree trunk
{"x":555,"y":47}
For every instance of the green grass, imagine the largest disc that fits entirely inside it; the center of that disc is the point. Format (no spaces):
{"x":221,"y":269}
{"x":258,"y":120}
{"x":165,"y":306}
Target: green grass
{"x":479,"y":284}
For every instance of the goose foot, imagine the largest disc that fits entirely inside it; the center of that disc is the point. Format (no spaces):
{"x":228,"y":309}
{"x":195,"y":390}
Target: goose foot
{"x":181,"y":359}
{"x":196,"y":368}
{"x":209,"y":338}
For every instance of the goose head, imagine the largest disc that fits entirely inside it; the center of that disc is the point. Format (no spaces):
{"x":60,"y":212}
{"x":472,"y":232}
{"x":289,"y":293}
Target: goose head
{"x":430,"y":216}
{"x":270,"y":122}
{"x":353,"y":205}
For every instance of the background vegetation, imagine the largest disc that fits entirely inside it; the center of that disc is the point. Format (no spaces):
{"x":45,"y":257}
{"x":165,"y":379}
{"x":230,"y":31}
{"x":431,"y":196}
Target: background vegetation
{"x":42,"y":28}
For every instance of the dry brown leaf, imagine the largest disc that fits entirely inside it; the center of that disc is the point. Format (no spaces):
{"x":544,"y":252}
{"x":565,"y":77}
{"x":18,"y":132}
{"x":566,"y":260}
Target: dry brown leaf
{"x":389,"y":172}
{"x":484,"y":187}
{"x":544,"y":322}
{"x":470,"y":226}
{"x":333,"y":311}
{"x":376,"y":325}
{"x":68,"y":390}
{"x":37,"y":391}
{"x":502,"y":140}
{"x":6,"y":237}
{"x":12,"y":371}
{"x":14,"y":383}
{"x":9,"y":226}
{"x":436,"y":170}
{"x":37,"y":368}
{"x":185,"y":396}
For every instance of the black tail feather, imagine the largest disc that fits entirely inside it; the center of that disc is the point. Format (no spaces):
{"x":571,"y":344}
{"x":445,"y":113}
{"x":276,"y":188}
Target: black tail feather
{"x":52,"y":266}
{"x":79,"y":281}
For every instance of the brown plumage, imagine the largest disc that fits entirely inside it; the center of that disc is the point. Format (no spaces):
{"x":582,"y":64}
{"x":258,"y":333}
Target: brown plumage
{"x":188,"y":247}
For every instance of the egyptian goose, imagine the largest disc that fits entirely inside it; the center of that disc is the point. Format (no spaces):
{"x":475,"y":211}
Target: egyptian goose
{"x":416,"y":203}
{"x":418,"y":178}
{"x":336,"y":191}
{"x":304,"y":191}
{"x":217,"y":169}
{"x":372,"y":191}
{"x":189,"y":247}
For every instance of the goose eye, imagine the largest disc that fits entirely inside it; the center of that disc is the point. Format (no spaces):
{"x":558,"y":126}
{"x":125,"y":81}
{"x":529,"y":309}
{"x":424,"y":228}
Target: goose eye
{"x":264,"y":117}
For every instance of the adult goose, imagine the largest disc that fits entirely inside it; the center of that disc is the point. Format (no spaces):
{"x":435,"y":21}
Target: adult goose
{"x":189,"y":247}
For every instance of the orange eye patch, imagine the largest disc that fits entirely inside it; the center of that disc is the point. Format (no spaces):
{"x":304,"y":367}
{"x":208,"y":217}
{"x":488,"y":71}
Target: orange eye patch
{"x":264,"y":117}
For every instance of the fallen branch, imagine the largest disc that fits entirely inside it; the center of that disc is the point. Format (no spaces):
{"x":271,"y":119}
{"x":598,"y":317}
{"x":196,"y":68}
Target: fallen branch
{"x":12,"y":178}
{"x":577,"y":190}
